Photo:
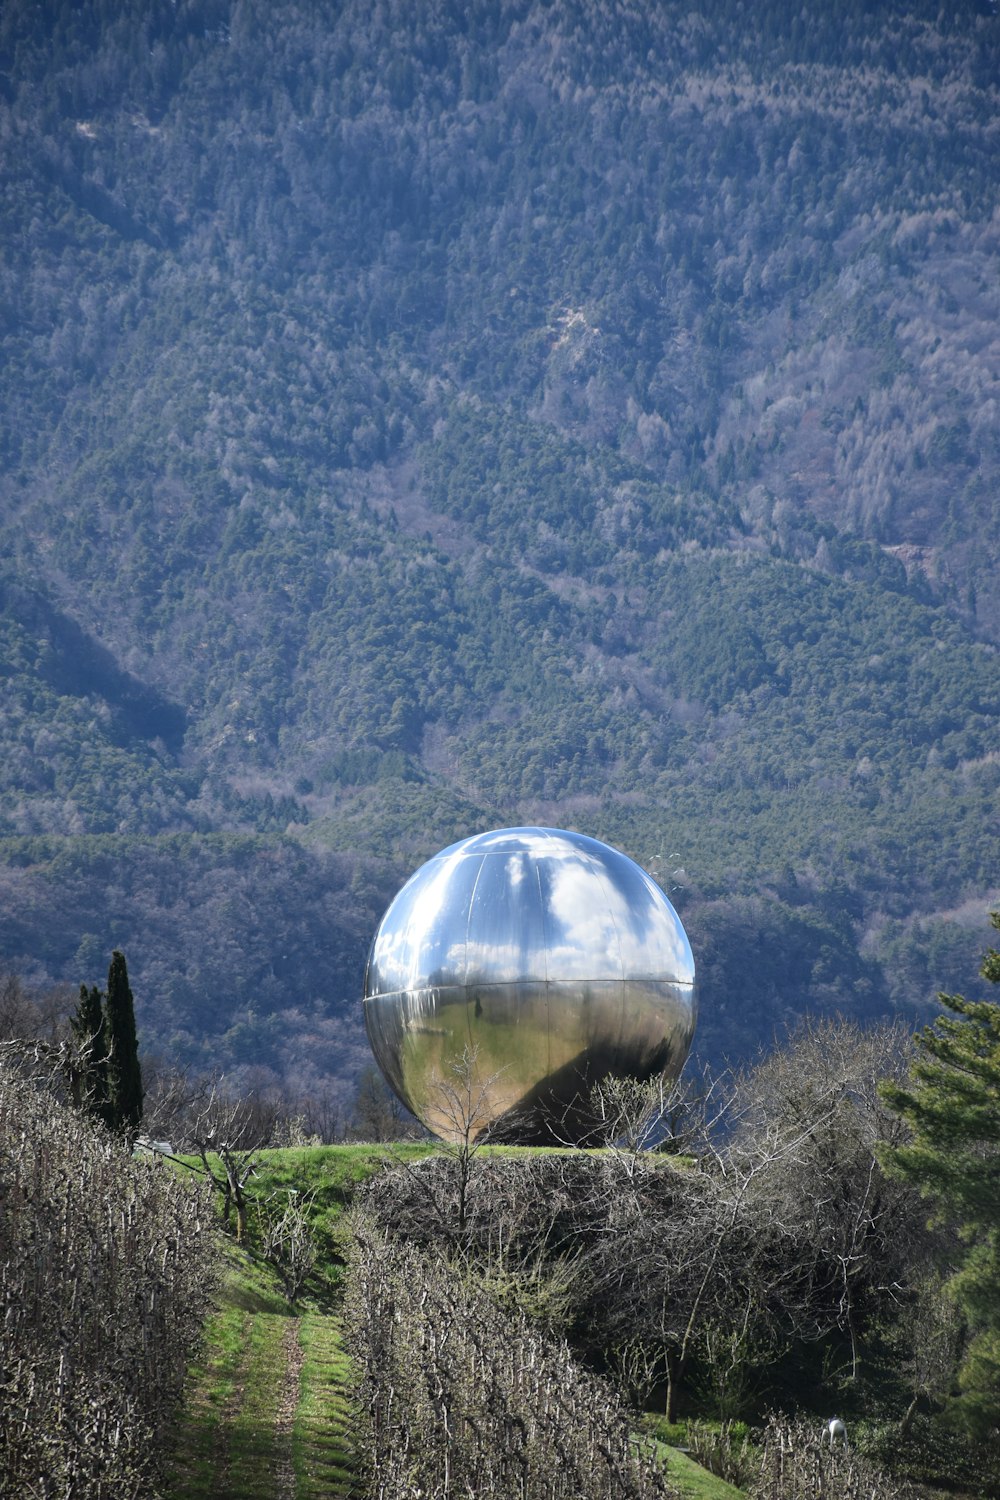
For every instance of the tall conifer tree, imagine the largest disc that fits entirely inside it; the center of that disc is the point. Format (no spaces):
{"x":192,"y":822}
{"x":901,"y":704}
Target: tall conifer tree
{"x":90,"y":1082}
{"x":124,"y":1074}
{"x":952,"y":1105}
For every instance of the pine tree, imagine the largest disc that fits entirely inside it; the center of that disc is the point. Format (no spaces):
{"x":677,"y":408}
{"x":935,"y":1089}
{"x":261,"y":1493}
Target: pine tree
{"x":952,"y":1105}
{"x":89,"y":1080}
{"x":124,"y":1074}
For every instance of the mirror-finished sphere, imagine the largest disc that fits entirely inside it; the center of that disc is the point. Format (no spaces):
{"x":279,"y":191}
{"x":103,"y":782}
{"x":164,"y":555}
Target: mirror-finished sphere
{"x":517,"y":969}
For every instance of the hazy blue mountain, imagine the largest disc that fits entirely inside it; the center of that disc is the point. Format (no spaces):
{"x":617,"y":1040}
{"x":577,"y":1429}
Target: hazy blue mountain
{"x":439,"y":416}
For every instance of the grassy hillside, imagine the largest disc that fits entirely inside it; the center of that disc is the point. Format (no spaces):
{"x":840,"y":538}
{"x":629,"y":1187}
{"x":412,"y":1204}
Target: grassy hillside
{"x":268,"y":1408}
{"x":423,"y":420}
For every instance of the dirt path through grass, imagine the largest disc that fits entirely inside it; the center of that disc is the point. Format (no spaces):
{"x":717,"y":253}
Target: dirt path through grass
{"x":288,"y":1405}
{"x":267,"y":1414}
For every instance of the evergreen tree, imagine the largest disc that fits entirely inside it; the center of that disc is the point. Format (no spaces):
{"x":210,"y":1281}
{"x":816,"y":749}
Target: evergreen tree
{"x":89,"y":1080}
{"x":952,"y":1104}
{"x":124,"y":1074}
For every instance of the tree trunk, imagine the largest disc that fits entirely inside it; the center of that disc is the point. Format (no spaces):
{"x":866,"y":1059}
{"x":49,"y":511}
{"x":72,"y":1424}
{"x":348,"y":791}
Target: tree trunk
{"x":241,"y":1210}
{"x":673,"y":1382}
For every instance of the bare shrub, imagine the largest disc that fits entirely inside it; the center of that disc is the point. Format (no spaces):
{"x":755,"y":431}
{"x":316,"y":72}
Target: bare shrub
{"x":647,"y":1262}
{"x":507,"y":1206}
{"x":631,"y":1117}
{"x":725,"y":1450}
{"x":287,"y":1241}
{"x":798,"y":1463}
{"x":103,"y":1289}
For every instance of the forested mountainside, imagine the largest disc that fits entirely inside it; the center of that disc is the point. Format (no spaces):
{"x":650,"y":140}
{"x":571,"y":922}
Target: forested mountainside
{"x":424,"y":417}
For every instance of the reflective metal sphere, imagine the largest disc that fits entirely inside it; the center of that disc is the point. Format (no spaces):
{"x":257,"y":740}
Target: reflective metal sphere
{"x":550,"y":959}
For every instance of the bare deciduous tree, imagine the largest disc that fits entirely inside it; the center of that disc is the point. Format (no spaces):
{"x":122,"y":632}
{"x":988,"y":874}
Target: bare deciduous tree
{"x":462,"y":1103}
{"x":18,"y":1012}
{"x":812,"y":1115}
{"x":174,"y":1099}
{"x":35,"y":1015}
{"x":461,"y":1108}
{"x":287,"y":1241}
{"x":681,"y":1260}
{"x":229,"y":1134}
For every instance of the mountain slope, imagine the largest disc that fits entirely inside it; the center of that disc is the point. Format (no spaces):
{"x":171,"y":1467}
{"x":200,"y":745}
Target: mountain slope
{"x":427,"y":419}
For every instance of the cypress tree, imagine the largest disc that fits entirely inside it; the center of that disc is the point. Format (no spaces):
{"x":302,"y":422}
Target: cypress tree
{"x":89,"y":1081}
{"x":124,"y":1074}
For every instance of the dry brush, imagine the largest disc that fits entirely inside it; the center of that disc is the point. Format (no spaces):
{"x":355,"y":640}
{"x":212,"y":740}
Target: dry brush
{"x":105,"y":1274}
{"x":459,"y":1396}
